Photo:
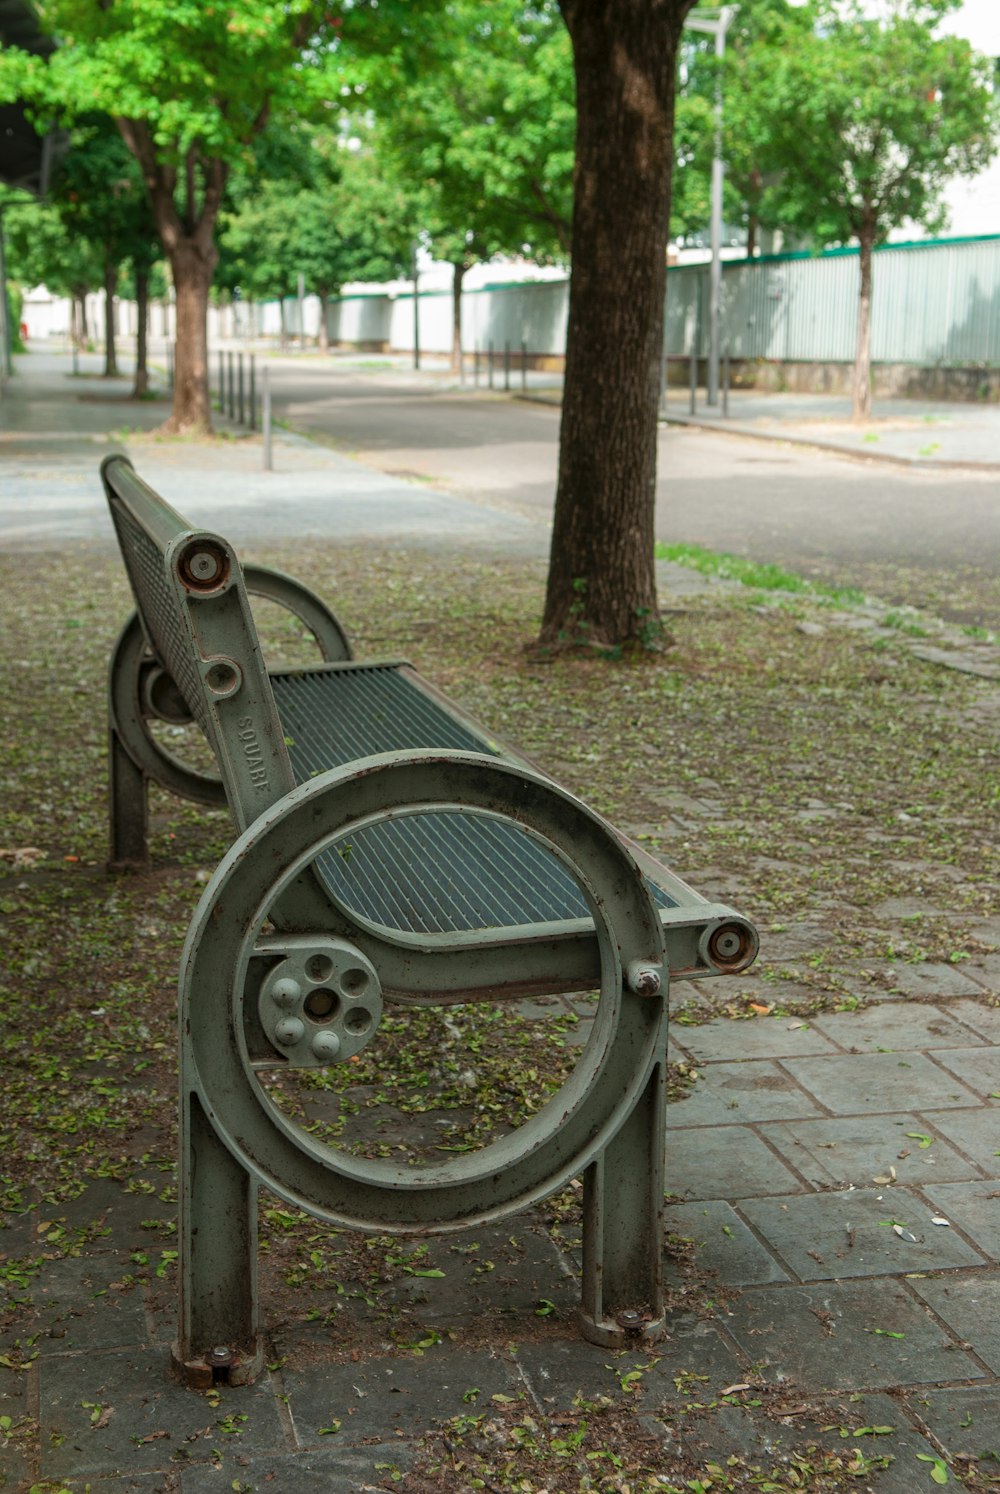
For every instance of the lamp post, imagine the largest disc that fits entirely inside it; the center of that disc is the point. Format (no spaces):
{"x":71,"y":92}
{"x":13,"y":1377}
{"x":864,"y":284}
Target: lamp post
{"x":715,"y":26}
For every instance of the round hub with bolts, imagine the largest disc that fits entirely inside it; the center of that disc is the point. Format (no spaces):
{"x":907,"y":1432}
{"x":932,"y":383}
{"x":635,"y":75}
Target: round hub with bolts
{"x":321,"y":1004}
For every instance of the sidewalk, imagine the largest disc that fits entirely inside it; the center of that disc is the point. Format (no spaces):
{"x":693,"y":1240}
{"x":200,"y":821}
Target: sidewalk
{"x":911,"y":433}
{"x":55,"y":430}
{"x":833,"y":1216}
{"x":915,"y":433}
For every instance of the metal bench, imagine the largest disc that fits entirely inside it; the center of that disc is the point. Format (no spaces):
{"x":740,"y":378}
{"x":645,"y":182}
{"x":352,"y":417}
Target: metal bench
{"x":386,"y":849}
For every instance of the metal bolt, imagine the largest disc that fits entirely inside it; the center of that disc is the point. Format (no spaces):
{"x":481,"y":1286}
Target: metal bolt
{"x":285,"y":992}
{"x":203,"y":565}
{"x":326,"y":1045}
{"x":220,"y":1356}
{"x":644,"y":980}
{"x":728,"y":942}
{"x":630,"y":1318}
{"x":288,"y":1031}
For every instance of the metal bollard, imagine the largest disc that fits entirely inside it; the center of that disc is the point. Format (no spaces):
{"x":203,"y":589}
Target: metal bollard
{"x":489,"y":365}
{"x":725,"y":383}
{"x":222,"y":382}
{"x":232,"y":387}
{"x":239,"y":366}
{"x":694,"y":379}
{"x":475,"y":366}
{"x":266,"y":420}
{"x":253,"y":394}
{"x":506,"y":366}
{"x":524,"y":368}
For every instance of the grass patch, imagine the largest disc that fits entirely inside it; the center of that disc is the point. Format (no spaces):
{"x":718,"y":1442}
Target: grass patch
{"x":751,"y":573}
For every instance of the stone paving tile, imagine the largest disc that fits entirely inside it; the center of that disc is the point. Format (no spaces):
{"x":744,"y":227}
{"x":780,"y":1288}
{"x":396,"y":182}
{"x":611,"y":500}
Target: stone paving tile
{"x":386,"y":1397}
{"x":559,"y":1371}
{"x":872,"y":1083}
{"x":988,"y":932}
{"x":13,"y":1403}
{"x":837,"y":1335}
{"x":124,"y":1483}
{"x":975,"y":1132}
{"x":979,"y":1068}
{"x":894,"y":1027}
{"x":728,"y":1093}
{"x":834,"y":1236}
{"x":965,"y":1420}
{"x":931,"y":980}
{"x":333,"y":1470}
{"x":723,"y":1162}
{"x":83,"y":1304}
{"x":981,"y":1018}
{"x":133,"y":1385}
{"x":506,"y":1268}
{"x":974,"y":1208}
{"x":723,"y":1243}
{"x":858,"y":1149}
{"x":760,"y":1037}
{"x":748,"y":1432}
{"x":970,"y":1305}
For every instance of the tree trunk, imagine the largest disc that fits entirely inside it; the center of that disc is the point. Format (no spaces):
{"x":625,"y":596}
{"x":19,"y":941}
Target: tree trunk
{"x":863,"y":354}
{"x":80,"y":319}
{"x":283,"y":340}
{"x":601,"y":586}
{"x":192,"y":273}
{"x":110,"y":286}
{"x":459,"y":268}
{"x":141,"y":384}
{"x":323,"y":337}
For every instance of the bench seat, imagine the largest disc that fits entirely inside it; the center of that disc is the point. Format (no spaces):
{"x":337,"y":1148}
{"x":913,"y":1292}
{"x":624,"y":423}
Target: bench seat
{"x":428,"y":873}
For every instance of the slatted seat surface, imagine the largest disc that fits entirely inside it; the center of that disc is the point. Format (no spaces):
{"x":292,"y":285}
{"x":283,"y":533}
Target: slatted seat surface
{"x":428,"y":873}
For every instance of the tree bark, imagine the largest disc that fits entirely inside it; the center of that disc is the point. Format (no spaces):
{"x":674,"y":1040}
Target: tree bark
{"x":80,"y":319}
{"x":192,"y":274}
{"x":110,"y":286}
{"x":283,"y":338}
{"x":141,"y":385}
{"x":459,"y":267}
{"x":863,"y":353}
{"x":601,"y":586}
{"x":323,"y":336}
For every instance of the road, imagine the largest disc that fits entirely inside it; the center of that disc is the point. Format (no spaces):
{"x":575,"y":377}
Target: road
{"x":439,"y":463}
{"x":924,"y":538}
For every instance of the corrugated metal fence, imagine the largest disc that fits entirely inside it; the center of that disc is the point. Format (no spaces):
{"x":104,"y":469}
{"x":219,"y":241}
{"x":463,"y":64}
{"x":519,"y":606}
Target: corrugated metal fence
{"x":933,"y":303}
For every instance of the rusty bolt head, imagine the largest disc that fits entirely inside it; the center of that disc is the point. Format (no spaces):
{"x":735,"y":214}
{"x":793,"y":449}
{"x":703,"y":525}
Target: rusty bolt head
{"x":629,"y":1319}
{"x":204,"y":566}
{"x":644,"y":980}
{"x":220,"y":1356}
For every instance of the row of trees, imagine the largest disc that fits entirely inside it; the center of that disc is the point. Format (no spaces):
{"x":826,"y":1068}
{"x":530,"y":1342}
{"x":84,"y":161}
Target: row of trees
{"x":250,"y":141}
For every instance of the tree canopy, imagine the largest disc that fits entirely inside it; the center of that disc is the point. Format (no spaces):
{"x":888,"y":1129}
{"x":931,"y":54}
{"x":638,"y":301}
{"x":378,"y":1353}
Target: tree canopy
{"x":868,"y":117}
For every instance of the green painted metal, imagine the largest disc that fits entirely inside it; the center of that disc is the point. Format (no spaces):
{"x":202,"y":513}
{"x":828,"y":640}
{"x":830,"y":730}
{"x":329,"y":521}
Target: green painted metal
{"x":283,"y":968}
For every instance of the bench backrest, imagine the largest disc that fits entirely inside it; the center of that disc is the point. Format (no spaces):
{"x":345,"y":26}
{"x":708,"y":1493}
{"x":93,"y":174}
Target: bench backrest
{"x":192,"y":603}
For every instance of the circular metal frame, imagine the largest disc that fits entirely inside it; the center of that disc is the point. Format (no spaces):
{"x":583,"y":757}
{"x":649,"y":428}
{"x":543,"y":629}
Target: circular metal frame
{"x":553,"y":1145}
{"x":136,"y":680}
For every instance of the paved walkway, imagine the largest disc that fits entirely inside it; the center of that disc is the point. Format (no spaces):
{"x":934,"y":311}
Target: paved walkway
{"x":55,"y":429}
{"x":921,"y":434}
{"x":832,"y":1225}
{"x":915,"y":433}
{"x":832,"y":1242}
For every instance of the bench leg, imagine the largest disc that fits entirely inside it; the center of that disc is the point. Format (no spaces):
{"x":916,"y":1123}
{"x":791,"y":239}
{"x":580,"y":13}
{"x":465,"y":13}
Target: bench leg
{"x":623,"y":1227}
{"x":219,"y":1336}
{"x":128,"y":802}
